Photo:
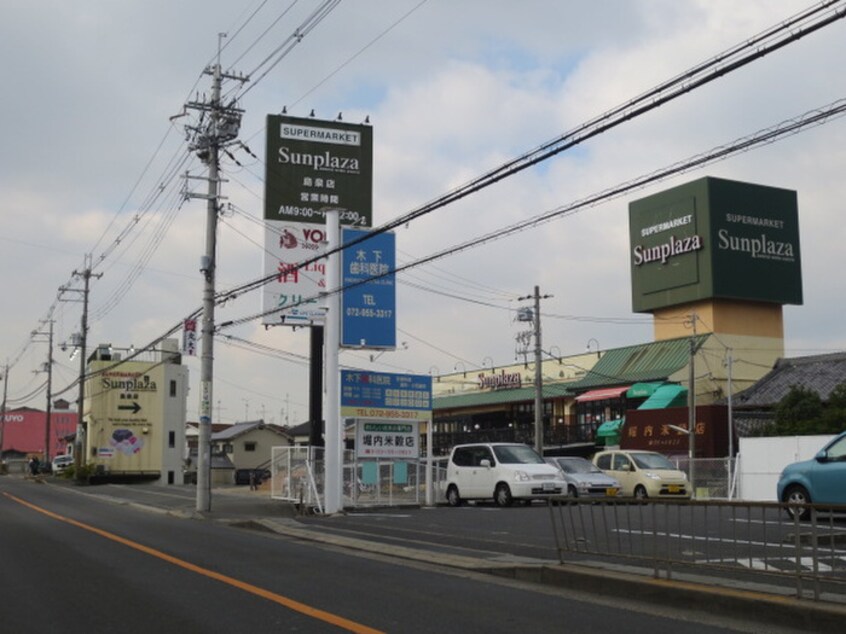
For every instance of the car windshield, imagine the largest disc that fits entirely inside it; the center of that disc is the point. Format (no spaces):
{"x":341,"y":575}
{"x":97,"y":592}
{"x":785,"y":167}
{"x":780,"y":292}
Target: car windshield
{"x":578,"y":466}
{"x":517,"y":454}
{"x":652,"y":461}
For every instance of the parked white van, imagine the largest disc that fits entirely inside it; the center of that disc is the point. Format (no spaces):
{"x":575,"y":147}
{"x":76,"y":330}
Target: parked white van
{"x":503,"y":472}
{"x":61,"y":462}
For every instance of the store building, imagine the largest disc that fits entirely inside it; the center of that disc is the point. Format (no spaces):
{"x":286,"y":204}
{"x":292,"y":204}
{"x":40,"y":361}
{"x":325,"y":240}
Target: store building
{"x":714,"y":261}
{"x":135,"y":410}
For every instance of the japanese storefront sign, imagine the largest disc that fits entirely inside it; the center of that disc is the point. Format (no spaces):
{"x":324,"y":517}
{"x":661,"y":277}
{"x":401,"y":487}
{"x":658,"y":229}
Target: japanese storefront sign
{"x":377,"y":439}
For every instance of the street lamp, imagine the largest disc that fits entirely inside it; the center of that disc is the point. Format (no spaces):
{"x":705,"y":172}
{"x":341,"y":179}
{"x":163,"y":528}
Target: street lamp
{"x":485,"y":363}
{"x":556,"y":356}
{"x":597,"y":345}
{"x":463,"y":368}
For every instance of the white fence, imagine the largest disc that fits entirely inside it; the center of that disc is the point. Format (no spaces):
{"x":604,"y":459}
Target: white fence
{"x":762,"y":459}
{"x":297,"y":475}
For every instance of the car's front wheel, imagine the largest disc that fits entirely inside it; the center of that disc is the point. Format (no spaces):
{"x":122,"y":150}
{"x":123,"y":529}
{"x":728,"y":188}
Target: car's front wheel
{"x":452,"y":496}
{"x":572,"y":491}
{"x":640,"y":492}
{"x":502,"y":495}
{"x":797,"y":498}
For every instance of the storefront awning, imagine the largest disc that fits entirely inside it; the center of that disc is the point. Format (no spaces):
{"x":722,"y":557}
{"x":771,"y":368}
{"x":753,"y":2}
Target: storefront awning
{"x":610,"y":428}
{"x":666,"y":396}
{"x":601,"y":395}
{"x":642,"y":390}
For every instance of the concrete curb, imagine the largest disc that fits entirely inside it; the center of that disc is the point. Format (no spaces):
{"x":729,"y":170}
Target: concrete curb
{"x":766,"y":608}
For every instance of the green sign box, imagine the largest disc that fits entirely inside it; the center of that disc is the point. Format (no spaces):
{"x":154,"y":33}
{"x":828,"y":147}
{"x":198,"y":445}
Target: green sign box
{"x":313,"y":165}
{"x":715,"y":238}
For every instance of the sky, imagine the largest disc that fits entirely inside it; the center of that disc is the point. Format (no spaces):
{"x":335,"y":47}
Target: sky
{"x":92,"y":164}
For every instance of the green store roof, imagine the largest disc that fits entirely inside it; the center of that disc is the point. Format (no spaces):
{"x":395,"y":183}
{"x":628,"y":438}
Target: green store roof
{"x":494,"y":397}
{"x":644,"y":363}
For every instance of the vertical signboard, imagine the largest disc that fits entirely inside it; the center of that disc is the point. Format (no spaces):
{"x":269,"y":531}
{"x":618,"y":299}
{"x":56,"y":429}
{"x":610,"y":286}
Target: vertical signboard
{"x":368,"y":301}
{"x":389,"y":408}
{"x":189,"y":337}
{"x":311,"y":166}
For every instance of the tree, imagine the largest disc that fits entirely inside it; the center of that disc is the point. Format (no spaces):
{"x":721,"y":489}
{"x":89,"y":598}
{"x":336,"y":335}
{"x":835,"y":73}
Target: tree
{"x":799,"y":412}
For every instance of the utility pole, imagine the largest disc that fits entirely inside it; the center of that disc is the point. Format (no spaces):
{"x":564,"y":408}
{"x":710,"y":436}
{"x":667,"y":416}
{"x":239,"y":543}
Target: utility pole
{"x":207,"y":140}
{"x":691,"y":412}
{"x":538,"y":369}
{"x":82,"y":426}
{"x":730,"y":422}
{"x":49,"y":370}
{"x":5,"y":379}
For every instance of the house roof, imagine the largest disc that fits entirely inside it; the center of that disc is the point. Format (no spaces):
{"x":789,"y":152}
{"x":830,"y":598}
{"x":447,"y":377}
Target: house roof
{"x":303,"y":429}
{"x":821,"y":373}
{"x":239,"y":429}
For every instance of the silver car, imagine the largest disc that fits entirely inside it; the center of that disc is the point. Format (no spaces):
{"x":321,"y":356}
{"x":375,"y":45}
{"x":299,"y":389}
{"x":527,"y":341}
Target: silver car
{"x":584,"y":479}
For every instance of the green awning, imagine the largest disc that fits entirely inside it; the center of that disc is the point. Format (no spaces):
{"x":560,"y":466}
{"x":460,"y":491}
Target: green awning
{"x":669,"y":395}
{"x":610,"y":428}
{"x":642,"y":390}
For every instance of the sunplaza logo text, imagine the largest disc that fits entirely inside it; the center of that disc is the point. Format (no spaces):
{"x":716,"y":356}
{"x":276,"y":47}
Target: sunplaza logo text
{"x":663,"y":252}
{"x":142,"y":383}
{"x":496,"y":381}
{"x":759,"y":247}
{"x":325,"y":161}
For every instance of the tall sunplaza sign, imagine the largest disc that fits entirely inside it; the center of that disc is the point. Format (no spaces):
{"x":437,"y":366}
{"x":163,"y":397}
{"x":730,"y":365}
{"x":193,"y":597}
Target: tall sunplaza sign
{"x":311,"y":166}
{"x":715,"y":238}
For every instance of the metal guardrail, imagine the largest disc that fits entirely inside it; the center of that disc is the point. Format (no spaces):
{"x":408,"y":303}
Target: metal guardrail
{"x":744,"y":541}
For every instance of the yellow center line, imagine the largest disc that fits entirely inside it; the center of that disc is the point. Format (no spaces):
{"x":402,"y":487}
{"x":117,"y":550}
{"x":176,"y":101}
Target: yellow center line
{"x":291,"y":604}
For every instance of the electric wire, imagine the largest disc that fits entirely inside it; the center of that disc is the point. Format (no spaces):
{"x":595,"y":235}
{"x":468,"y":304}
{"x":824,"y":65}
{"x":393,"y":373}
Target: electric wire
{"x":767,"y":136}
{"x":623,"y":113}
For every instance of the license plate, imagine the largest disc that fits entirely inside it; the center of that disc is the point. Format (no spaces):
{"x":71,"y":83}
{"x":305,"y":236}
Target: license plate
{"x":611,"y":492}
{"x":548,"y":486}
{"x":674,"y":488}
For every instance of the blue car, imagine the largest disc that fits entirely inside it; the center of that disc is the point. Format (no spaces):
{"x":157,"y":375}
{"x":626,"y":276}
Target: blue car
{"x":818,"y":481}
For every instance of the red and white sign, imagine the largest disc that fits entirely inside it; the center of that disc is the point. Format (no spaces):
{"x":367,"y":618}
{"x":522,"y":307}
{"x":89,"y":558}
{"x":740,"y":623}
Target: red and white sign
{"x":189,"y":337}
{"x":295,"y":289}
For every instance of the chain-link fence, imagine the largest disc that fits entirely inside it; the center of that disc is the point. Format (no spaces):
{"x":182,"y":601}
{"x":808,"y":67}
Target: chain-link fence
{"x":297,"y":475}
{"x":714,"y":478}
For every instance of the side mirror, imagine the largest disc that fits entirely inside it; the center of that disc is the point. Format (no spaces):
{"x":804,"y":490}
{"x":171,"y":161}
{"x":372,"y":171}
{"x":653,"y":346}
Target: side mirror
{"x":822,"y":456}
{"x":484,"y":462}
{"x":625,"y":467}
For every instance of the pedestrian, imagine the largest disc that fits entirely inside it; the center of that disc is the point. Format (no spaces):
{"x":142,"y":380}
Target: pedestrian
{"x":253,"y":486}
{"x":33,"y":465}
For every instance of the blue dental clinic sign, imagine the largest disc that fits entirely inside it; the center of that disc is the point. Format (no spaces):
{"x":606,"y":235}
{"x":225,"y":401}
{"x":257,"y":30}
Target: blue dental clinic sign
{"x":368,"y":302}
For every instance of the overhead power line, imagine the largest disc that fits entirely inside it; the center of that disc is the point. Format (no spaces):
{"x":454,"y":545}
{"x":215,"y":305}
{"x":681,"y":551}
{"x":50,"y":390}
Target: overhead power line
{"x":764,"y":137}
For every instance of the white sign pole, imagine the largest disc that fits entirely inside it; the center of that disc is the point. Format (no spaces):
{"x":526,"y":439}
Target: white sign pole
{"x":332,"y":460}
{"x":430,"y":501}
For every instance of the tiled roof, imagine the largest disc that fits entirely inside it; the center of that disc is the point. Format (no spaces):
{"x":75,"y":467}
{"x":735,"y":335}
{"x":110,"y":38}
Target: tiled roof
{"x":821,"y":373}
{"x":238,"y":429}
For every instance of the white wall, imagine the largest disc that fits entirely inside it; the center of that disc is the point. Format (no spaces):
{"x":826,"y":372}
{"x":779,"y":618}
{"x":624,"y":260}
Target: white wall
{"x":762,"y":459}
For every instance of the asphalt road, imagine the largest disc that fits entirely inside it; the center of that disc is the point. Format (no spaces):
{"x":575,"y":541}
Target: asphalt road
{"x":76,"y":563}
